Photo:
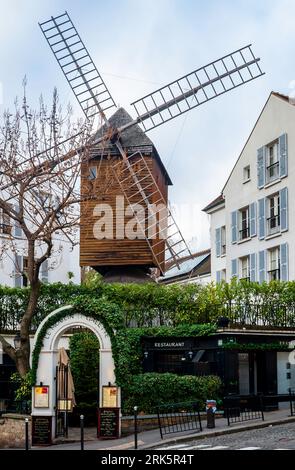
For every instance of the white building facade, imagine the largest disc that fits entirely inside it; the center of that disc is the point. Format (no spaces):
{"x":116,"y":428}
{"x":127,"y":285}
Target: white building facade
{"x":252,"y":227}
{"x":63,"y":265}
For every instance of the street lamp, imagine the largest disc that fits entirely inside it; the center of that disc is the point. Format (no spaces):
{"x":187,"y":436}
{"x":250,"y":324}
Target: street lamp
{"x":17,"y":341}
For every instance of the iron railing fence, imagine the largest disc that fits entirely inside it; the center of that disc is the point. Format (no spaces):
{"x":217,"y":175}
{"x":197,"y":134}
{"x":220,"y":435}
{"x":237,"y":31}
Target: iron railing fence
{"x":238,"y":409}
{"x":179,"y":417}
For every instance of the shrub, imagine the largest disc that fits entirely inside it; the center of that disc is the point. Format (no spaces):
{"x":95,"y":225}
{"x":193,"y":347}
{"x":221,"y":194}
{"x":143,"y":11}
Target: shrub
{"x":84,"y":355}
{"x":151,"y":389}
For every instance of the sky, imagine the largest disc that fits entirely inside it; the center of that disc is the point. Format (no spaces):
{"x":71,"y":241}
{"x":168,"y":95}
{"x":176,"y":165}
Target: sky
{"x":140,"y":45}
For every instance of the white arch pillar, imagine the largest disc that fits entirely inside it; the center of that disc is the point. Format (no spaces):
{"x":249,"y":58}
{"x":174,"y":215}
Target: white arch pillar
{"x":49,"y":354}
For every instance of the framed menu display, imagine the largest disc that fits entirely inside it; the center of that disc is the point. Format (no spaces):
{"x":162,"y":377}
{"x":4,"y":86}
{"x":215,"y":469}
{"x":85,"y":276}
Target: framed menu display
{"x":108,"y":423}
{"x":41,"y":396}
{"x":110,"y":396}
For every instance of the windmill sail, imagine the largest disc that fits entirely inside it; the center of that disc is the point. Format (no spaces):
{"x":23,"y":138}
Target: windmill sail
{"x":77,"y":66}
{"x":198,"y":87}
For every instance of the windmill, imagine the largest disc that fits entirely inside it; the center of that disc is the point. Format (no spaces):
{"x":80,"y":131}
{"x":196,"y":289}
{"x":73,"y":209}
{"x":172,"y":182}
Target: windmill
{"x":124,"y":161}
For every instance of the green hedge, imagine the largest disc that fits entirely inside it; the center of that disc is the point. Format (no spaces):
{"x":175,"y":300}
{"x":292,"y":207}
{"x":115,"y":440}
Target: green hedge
{"x":144,"y":304}
{"x":151,"y":389}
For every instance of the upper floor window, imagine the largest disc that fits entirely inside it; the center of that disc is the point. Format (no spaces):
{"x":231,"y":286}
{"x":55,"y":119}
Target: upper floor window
{"x":223,"y":240}
{"x":92,"y":173}
{"x":5,"y":225}
{"x":220,"y":241}
{"x":272,"y":162}
{"x":274,"y":264}
{"x":244,"y":225}
{"x":246,"y":174}
{"x":273,"y":220}
{"x":245,"y":268}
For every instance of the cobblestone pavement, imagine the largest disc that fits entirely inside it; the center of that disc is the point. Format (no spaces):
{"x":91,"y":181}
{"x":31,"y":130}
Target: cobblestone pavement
{"x":271,"y":438}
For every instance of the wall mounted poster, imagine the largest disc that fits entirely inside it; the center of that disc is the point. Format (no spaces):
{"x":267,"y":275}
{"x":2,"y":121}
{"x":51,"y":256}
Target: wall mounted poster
{"x":41,"y":396}
{"x":109,"y":397}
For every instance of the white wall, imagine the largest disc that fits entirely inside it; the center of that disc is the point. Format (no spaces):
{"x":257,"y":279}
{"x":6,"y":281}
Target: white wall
{"x":277,"y":118}
{"x":283,"y":358}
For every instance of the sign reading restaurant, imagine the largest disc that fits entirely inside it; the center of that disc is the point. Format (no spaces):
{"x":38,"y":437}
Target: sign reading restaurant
{"x":170,"y":344}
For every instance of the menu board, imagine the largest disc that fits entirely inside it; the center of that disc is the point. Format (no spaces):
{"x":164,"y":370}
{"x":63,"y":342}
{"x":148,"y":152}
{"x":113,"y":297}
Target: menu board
{"x":41,"y":396}
{"x":108,"y":423}
{"x":41,"y":430}
{"x":109,"y":397}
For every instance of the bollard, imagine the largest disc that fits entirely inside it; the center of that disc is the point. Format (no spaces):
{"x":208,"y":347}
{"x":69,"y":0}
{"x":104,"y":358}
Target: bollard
{"x":82,"y":431}
{"x":27,"y":434}
{"x":135,"y":427}
{"x":210,"y":419}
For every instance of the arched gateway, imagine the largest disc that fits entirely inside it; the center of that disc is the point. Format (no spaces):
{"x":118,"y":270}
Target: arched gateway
{"x":48,"y":357}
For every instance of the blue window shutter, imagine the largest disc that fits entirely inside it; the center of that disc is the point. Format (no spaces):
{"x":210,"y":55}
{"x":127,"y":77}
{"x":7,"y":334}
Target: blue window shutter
{"x":283,"y":155}
{"x":253,"y":231}
{"x":261,"y":218}
{"x":262,"y":266}
{"x":218,"y":241}
{"x":234,"y":268}
{"x":253,"y":267}
{"x":261,"y":167}
{"x":284,"y":209}
{"x":234,"y":227}
{"x":218,"y":277}
{"x":18,"y":278}
{"x":284,"y":265}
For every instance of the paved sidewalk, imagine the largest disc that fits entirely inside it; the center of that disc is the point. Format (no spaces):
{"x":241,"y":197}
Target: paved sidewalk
{"x":152,"y":439}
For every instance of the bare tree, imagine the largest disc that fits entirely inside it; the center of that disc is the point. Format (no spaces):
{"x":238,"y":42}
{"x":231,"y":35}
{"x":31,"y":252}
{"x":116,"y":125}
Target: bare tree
{"x":39,"y":195}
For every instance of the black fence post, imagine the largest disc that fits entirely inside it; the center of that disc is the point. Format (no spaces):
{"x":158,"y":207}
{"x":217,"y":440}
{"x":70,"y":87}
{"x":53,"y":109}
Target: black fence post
{"x":82,"y":431}
{"x":291,"y":401}
{"x":135,"y":427}
{"x":159,"y":422}
{"x":262,"y":407}
{"x":27,"y":433}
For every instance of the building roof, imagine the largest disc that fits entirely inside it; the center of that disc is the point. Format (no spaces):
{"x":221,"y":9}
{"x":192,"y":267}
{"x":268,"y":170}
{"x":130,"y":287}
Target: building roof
{"x":216,"y":202}
{"x":272,"y":93}
{"x":188,"y":265}
{"x":132,"y":139}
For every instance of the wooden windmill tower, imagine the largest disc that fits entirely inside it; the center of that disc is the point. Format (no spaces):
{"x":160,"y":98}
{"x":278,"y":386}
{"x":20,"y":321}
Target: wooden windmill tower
{"x":125,"y":167}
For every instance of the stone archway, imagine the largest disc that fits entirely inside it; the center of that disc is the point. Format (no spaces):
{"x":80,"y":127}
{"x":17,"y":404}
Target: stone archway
{"x":49,"y":352}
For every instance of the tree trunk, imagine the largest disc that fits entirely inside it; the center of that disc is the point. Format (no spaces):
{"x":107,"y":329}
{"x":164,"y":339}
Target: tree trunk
{"x":23,"y":353}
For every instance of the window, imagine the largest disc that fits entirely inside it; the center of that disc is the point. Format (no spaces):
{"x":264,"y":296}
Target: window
{"x":92,"y":173}
{"x":5,"y":226}
{"x":274,"y":264}
{"x":223,"y":275}
{"x":244,"y":268}
{"x":272,"y":165}
{"x":246,"y":174}
{"x":223,"y":240}
{"x":244,"y":223}
{"x":273,"y":220}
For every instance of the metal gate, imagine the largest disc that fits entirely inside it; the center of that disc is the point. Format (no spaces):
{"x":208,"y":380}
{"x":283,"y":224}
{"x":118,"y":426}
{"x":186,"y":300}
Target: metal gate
{"x":62,"y":404}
